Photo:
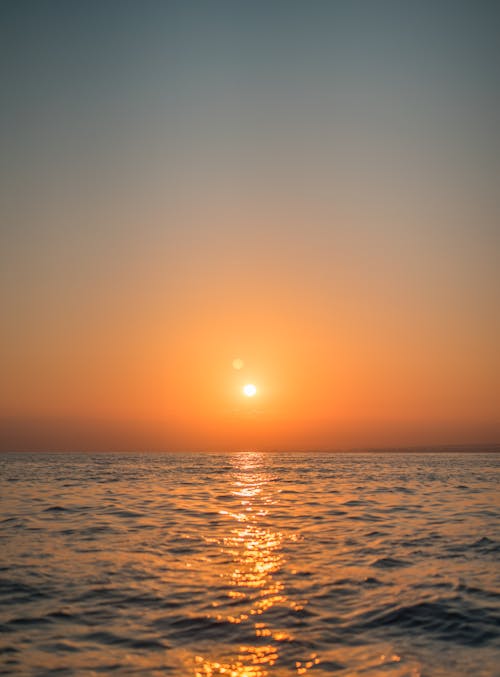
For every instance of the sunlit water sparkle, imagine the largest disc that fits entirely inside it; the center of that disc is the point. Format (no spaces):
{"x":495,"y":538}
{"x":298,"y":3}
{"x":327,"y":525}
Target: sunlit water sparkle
{"x":249,"y":565}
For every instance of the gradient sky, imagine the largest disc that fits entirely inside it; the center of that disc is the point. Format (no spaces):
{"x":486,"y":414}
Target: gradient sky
{"x":311,"y":187}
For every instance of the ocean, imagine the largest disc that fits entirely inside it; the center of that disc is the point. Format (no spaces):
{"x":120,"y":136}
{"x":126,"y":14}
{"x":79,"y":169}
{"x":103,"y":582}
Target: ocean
{"x":250,"y":564}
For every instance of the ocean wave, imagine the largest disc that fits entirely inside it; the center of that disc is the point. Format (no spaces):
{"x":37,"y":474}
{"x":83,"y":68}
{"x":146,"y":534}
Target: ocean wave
{"x":345,"y":564}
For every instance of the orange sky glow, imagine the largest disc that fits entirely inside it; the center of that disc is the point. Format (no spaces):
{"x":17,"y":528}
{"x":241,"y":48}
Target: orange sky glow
{"x":322,"y":208}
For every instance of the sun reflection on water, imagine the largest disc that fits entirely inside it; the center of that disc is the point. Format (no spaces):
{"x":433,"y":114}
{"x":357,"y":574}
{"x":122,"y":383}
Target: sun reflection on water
{"x":253,"y":578}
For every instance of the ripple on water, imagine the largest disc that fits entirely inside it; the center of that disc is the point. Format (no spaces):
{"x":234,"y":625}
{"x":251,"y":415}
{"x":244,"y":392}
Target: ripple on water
{"x":249,"y":564}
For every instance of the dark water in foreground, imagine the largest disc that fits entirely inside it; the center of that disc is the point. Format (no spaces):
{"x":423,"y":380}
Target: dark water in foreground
{"x":249,"y":564}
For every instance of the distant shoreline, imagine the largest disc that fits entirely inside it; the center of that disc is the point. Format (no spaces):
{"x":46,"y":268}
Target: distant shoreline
{"x":493,"y":448}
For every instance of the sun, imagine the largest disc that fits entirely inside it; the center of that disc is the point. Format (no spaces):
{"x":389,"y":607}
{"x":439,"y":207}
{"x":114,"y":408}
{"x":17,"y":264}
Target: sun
{"x":249,"y":390}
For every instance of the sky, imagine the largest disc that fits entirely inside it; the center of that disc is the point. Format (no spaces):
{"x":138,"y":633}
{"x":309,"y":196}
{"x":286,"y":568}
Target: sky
{"x":309,"y":187}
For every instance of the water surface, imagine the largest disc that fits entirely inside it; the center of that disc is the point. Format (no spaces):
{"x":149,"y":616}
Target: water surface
{"x":249,"y":565}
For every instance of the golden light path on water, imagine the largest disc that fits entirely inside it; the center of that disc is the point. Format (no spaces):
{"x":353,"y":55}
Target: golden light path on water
{"x":257,"y":558}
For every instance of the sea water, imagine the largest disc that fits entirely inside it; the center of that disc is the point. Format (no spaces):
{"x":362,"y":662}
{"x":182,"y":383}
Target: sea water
{"x":250,"y":564}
